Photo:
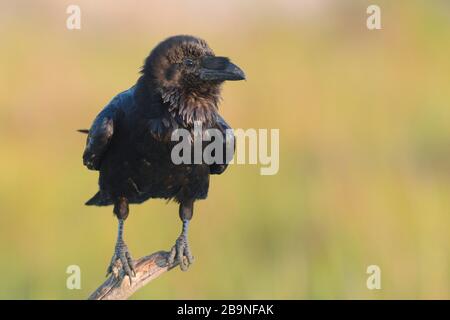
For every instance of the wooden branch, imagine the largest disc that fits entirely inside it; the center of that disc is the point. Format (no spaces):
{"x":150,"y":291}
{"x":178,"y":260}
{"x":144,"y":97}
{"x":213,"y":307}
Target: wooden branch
{"x":147,"y":269}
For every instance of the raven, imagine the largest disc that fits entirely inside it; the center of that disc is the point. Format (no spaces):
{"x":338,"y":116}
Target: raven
{"x":129,"y":141}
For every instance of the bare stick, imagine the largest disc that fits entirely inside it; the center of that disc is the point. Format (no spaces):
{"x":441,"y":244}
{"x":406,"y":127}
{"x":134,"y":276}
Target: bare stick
{"x":147,"y":269}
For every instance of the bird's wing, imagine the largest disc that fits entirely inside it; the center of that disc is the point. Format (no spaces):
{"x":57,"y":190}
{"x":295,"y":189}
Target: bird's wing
{"x":228,"y":146}
{"x":99,"y":137}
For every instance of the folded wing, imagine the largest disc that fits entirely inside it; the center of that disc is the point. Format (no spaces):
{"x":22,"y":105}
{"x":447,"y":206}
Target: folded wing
{"x":99,"y":137}
{"x":228,"y":146}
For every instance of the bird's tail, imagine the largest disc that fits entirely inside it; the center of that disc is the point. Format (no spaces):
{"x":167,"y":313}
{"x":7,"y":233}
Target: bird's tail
{"x":86,"y":131}
{"x":99,"y":199}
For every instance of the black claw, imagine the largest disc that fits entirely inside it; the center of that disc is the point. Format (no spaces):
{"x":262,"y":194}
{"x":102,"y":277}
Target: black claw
{"x":130,"y":278}
{"x":131,"y":264}
{"x":171,"y":258}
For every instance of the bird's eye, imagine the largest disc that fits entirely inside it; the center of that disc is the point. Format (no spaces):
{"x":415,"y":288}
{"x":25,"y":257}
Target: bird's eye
{"x":189,"y":62}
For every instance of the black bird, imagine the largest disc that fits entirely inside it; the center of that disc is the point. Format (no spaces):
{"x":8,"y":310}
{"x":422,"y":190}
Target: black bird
{"x":129,"y":141}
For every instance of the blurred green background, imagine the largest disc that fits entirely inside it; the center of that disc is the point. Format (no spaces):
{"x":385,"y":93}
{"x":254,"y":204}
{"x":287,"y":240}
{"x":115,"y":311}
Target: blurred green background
{"x":364,"y":121}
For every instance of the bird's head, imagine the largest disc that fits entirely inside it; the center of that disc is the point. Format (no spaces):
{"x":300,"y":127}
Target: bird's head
{"x":189,"y":63}
{"x":188,"y":75}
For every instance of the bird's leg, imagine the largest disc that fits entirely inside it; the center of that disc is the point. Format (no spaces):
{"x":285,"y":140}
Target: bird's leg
{"x":180,"y":251}
{"x":121,"y":256}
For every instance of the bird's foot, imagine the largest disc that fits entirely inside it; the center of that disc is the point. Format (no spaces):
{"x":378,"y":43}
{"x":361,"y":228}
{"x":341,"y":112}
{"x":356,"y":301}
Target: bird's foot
{"x":121,"y":260}
{"x":181,"y":253}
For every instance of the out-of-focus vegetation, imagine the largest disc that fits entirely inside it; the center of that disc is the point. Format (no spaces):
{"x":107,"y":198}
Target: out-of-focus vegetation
{"x":364,"y":119}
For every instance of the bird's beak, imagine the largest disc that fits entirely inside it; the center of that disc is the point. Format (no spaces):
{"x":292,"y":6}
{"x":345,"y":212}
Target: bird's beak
{"x":220,"y":69}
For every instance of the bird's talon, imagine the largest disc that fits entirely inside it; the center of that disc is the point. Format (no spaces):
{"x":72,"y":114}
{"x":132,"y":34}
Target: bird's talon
{"x":180,"y":253}
{"x":122,"y":261}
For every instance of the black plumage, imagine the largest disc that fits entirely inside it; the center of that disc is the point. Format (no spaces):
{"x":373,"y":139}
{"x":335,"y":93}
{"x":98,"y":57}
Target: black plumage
{"x":129,"y":141}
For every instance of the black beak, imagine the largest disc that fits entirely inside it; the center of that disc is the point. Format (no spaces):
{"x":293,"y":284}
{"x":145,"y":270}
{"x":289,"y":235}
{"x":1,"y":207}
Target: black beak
{"x":220,"y":69}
